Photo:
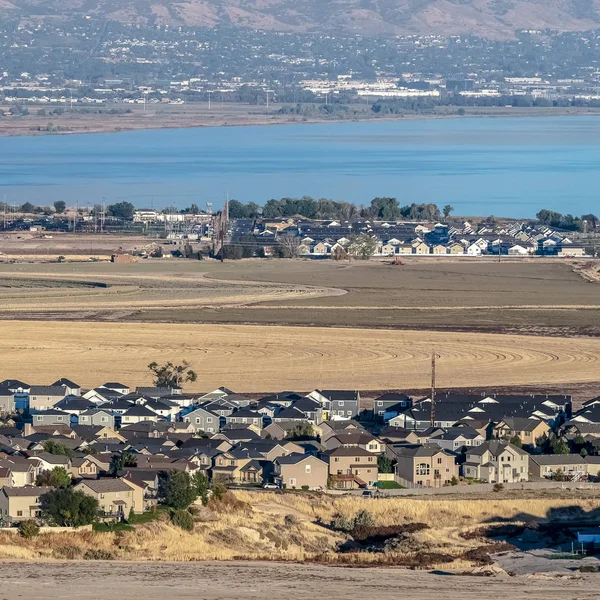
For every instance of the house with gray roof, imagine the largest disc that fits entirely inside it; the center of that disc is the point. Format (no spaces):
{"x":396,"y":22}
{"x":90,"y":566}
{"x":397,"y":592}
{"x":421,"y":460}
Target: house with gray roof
{"x":44,"y":397}
{"x":301,"y":471}
{"x":203,"y":419}
{"x":497,"y":461}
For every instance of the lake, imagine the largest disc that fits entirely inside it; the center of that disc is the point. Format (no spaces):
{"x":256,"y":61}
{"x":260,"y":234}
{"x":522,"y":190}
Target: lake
{"x":509,"y":167}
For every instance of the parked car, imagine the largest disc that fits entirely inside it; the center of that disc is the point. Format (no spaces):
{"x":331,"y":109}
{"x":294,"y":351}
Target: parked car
{"x":270,"y":486}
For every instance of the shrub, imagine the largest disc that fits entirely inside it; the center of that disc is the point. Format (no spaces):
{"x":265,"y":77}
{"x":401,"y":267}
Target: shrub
{"x":290,"y":520}
{"x":454,"y":481}
{"x":183,"y":518}
{"x":218,"y":491}
{"x":29,"y":529}
{"x":364,"y":518}
{"x":342,"y":523}
{"x":68,"y":552}
{"x":498,"y":487}
{"x":305,"y":488}
{"x":98,"y":555}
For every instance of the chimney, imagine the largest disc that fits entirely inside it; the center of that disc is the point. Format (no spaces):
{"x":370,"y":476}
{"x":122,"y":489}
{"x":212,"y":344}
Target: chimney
{"x":28,"y":429}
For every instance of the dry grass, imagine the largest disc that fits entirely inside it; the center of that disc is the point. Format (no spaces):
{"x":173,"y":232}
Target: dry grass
{"x":254,"y":528}
{"x":261,"y":359}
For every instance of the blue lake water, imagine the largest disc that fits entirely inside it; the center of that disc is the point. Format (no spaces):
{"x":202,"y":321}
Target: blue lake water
{"x":510,"y":167}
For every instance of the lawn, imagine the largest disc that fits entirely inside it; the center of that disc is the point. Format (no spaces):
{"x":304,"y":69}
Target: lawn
{"x":389,"y":485}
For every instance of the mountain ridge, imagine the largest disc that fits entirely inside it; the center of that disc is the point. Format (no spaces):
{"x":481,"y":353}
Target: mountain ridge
{"x":486,"y":18}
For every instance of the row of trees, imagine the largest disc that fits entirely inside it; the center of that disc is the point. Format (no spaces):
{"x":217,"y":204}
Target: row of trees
{"x":385,"y":208}
{"x":567,"y":222}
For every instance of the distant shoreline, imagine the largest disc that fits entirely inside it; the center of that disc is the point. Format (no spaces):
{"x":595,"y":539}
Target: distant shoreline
{"x":197,"y":117}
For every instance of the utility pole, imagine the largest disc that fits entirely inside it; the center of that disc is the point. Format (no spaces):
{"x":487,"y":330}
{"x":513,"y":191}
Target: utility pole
{"x":433,"y":389}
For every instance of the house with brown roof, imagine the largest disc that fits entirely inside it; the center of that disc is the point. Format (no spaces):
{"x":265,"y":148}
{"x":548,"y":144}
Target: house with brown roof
{"x":301,"y":471}
{"x":427,"y":465}
{"x":84,"y":468}
{"x":115,"y":497}
{"x":352,"y":467}
{"x":19,"y":504}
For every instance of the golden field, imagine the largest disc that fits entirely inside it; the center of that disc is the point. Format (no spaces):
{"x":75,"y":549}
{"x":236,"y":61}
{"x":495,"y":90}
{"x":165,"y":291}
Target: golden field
{"x":251,"y":358}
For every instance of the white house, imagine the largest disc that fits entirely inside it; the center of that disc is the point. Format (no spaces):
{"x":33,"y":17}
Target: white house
{"x":474,"y":250}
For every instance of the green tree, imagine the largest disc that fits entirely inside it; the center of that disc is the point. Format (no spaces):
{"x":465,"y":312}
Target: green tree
{"x":58,"y":477}
{"x":27,"y":207}
{"x":57,"y":449}
{"x":119,"y":461}
{"x":176,"y":489}
{"x":447,"y":210}
{"x":385,"y":209}
{"x":183,"y":519}
{"x":60,"y":206}
{"x":559,"y":446}
{"x":385,"y":464}
{"x":515,"y":440}
{"x":29,"y":528}
{"x":121,"y":210}
{"x":172,"y":375}
{"x":66,"y":507}
{"x":200,"y":483}
{"x":363,"y":247}
{"x":583,"y":453}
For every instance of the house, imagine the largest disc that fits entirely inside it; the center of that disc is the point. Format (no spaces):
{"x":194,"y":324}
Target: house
{"x":456,"y":438}
{"x":352,"y":467}
{"x":7,"y":400}
{"x":329,"y":428}
{"x":474,"y":250}
{"x":420,"y":248}
{"x":527,"y":430}
{"x":301,"y":471}
{"x":6,"y":477}
{"x":143,"y":494}
{"x":97,"y":417}
{"x":51,"y":417}
{"x":497,"y":461}
{"x":203,"y":419}
{"x":48,"y":461}
{"x":84,"y":468}
{"x":427,"y":465}
{"x":117,"y":387}
{"x":546,"y":466}
{"x":18,"y":504}
{"x":137,"y":414}
{"x":73,"y":389}
{"x":438,"y":249}
{"x":455,"y":248}
{"x":311,"y":409}
{"x":343,"y":404}
{"x":115,"y":497}
{"x":517,"y":250}
{"x":388,"y":405}
{"x":24,"y":471}
{"x":238,"y":465}
{"x":44,"y":397}
{"x":355,"y":439}
{"x":245,"y":417}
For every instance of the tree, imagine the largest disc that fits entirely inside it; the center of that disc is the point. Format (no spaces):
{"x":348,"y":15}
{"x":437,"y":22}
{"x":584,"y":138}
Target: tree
{"x":29,"y":528}
{"x":183,"y":519}
{"x":66,"y":507}
{"x":171,"y":375}
{"x":515,"y":440}
{"x":291,"y":245}
{"x":559,"y":446}
{"x":121,"y":210}
{"x":385,"y":209}
{"x":200,"y":483}
{"x":447,"y":210}
{"x":56,"y":478}
{"x":27,"y":207}
{"x":385,"y":464}
{"x":60,"y":206}
{"x":57,"y":449}
{"x":363,"y":247}
{"x":120,"y":461}
{"x":175,"y":489}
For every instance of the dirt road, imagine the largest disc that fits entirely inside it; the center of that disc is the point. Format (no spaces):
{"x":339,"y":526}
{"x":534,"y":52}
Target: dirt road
{"x":249,"y":581}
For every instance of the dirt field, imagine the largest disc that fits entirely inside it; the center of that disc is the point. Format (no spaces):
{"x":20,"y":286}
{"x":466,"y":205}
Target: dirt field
{"x":255,"y":580}
{"x":262,"y":358}
{"x":544,"y":297}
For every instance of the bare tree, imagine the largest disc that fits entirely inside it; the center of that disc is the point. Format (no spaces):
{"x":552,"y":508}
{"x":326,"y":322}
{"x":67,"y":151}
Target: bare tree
{"x":291,"y":245}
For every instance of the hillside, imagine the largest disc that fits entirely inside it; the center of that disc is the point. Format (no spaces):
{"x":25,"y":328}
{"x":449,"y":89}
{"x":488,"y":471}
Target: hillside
{"x":491,"y":18}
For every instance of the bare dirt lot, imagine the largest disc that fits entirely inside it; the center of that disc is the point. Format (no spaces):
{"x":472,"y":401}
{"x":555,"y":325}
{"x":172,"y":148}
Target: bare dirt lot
{"x":256,"y":580}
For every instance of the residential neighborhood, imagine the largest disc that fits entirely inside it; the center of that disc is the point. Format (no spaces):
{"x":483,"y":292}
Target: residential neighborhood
{"x":116,"y":441}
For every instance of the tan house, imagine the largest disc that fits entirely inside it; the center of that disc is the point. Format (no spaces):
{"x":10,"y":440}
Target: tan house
{"x":527,"y":430}
{"x":455,"y":248}
{"x":574,"y":466}
{"x":45,"y":397}
{"x":352,"y":467}
{"x":237,"y":467}
{"x":115,"y":497}
{"x":24,"y":471}
{"x":439,"y":249}
{"x":84,"y":468}
{"x":301,"y":471}
{"x":420,"y":248}
{"x":497,"y":461}
{"x":429,"y":465}
{"x":358,"y":439}
{"x":142,"y":498}
{"x":22,"y":503}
